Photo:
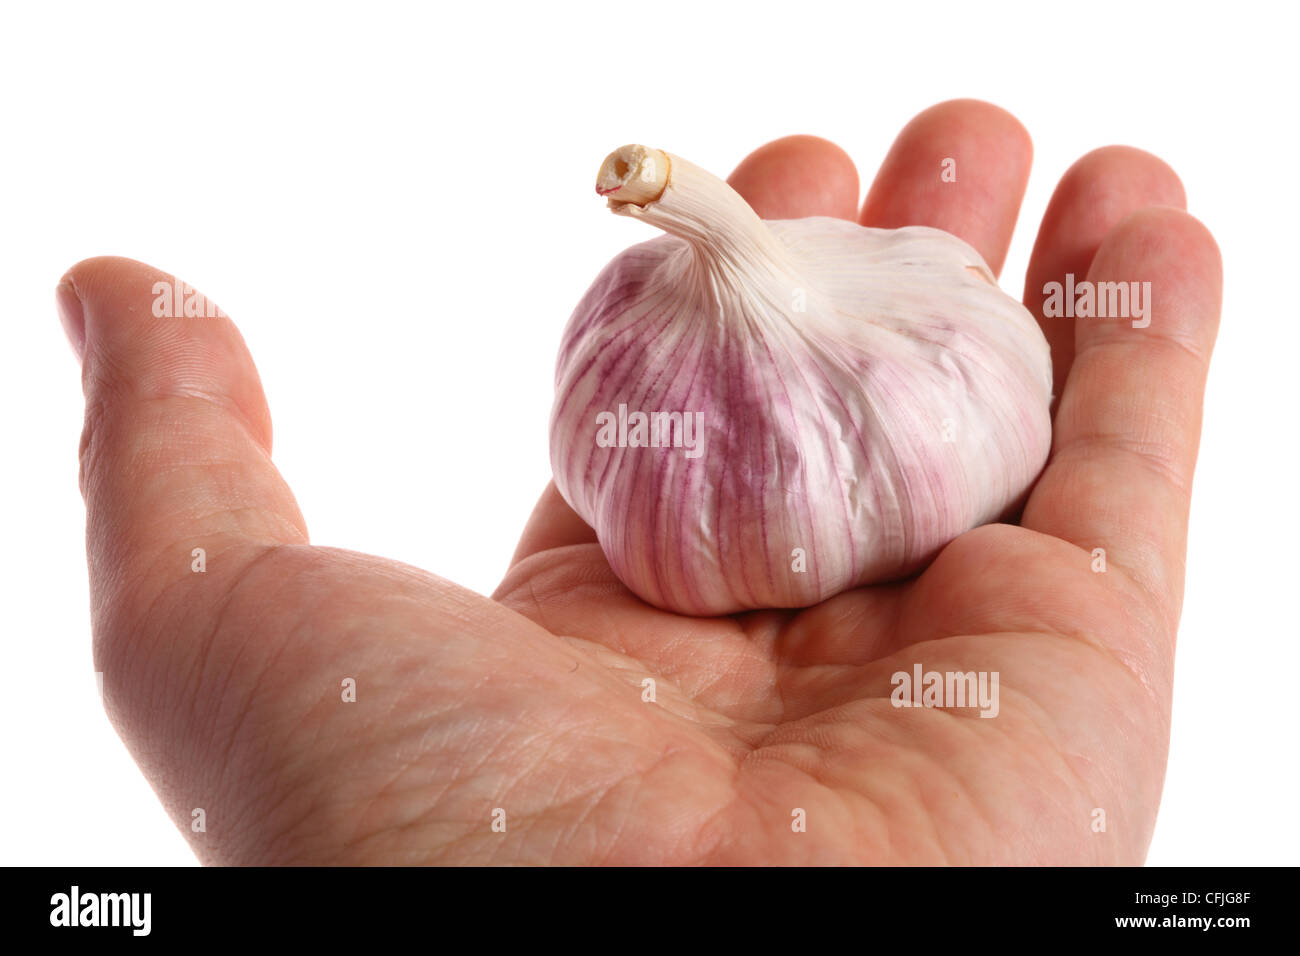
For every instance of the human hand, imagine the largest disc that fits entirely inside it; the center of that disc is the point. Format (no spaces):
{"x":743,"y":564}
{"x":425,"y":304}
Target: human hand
{"x":226,"y":685}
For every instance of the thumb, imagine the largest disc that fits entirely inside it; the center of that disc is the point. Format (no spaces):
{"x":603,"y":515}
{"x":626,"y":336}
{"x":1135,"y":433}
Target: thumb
{"x":175,"y":457}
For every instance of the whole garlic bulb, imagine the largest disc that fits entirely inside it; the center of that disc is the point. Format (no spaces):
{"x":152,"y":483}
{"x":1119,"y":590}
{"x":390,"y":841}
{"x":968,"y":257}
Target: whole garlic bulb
{"x":759,"y":414}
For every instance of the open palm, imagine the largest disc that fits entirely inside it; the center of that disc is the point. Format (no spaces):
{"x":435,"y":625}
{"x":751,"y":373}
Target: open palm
{"x":565,"y":721}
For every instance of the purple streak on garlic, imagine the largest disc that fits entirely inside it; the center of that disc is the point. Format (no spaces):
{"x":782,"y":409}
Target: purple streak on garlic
{"x":864,"y":395}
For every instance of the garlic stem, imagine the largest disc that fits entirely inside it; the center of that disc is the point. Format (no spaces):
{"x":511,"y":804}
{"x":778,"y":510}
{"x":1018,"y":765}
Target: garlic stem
{"x":634,"y":174}
{"x":727,"y":236}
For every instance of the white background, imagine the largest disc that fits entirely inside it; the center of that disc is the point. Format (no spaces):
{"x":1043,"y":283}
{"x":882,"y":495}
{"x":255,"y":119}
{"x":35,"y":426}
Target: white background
{"x":395,"y":204}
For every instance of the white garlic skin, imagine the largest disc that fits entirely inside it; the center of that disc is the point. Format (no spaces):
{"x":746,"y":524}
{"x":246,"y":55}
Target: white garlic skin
{"x":863,"y":395}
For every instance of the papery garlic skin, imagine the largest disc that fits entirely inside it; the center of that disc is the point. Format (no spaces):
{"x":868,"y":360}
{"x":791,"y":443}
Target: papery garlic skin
{"x":864,"y":396}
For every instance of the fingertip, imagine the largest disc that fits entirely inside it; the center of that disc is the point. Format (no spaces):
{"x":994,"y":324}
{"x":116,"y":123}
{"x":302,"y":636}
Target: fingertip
{"x":1170,"y":228}
{"x":143,"y":332}
{"x":71,"y":316}
{"x":1178,"y":255}
{"x":98,"y":275}
{"x":971,"y":116}
{"x":1124,"y":172}
{"x":1098,"y":191}
{"x":798,"y":176}
{"x":82,"y":280}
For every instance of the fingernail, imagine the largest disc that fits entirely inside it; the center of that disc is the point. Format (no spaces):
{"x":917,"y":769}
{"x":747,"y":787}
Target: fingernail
{"x":72,"y":316}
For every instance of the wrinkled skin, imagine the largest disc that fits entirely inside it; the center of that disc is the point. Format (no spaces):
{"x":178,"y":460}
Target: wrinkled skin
{"x":226,"y":685}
